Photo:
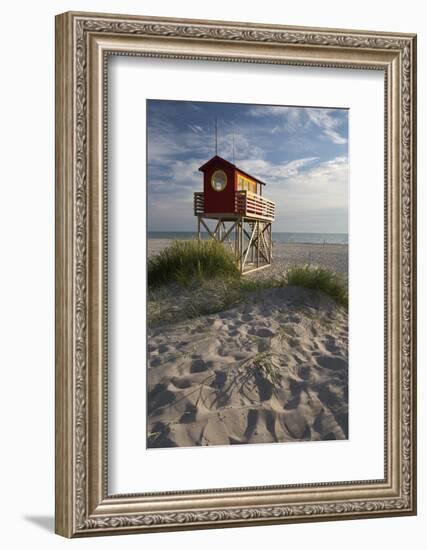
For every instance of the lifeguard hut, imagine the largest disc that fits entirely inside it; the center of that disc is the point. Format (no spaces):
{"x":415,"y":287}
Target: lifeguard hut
{"x":243,"y":217}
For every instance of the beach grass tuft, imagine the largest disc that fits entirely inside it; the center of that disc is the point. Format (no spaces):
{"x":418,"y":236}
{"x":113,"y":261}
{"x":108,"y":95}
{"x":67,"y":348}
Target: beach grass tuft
{"x":183,"y":262}
{"x":318,"y":278}
{"x":305,"y":276}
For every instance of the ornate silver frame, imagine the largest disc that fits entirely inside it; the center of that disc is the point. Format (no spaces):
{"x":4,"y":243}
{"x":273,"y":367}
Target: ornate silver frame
{"x":83,"y":42}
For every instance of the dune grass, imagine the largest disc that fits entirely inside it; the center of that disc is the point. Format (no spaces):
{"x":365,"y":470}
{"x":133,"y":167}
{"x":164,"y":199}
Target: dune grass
{"x":318,"y":278}
{"x":306,"y":276}
{"x":185,"y":261}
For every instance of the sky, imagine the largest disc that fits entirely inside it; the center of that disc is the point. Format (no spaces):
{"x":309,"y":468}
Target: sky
{"x":301,"y":153}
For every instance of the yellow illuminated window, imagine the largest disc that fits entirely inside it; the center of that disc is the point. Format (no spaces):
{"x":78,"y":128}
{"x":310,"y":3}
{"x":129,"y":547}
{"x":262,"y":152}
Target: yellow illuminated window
{"x":246,"y":184}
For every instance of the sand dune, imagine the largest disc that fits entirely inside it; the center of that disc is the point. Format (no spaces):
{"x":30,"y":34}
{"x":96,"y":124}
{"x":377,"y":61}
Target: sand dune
{"x":272,"y":369}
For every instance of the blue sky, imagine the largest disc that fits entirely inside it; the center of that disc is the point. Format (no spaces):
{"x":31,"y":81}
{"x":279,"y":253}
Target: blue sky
{"x":300,"y":152}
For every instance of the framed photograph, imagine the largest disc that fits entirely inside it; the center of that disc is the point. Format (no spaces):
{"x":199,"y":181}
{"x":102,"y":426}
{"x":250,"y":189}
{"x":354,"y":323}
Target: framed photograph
{"x":235,"y":274}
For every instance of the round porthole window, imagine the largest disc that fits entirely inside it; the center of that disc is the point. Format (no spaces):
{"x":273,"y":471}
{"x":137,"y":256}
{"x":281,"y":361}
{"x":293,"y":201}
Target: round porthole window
{"x":219,"y":180}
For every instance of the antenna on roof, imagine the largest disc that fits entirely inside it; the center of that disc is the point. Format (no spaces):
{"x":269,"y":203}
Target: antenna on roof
{"x":234,"y":162}
{"x":216,"y":136}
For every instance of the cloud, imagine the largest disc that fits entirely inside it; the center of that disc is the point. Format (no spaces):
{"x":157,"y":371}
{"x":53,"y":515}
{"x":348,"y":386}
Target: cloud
{"x":301,"y":119}
{"x":263,"y":110}
{"x":180,"y":177}
{"x":275,"y":172}
{"x":196,"y":128}
{"x":291,"y":119}
{"x":320,"y":193}
{"x":335,"y":137}
{"x":324,"y":119}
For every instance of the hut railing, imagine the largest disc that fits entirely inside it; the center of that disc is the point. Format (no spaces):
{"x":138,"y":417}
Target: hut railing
{"x":246,"y":204}
{"x":199,"y":203}
{"x":253,"y":205}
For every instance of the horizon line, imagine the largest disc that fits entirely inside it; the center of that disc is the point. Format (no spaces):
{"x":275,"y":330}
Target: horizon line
{"x":301,"y":232}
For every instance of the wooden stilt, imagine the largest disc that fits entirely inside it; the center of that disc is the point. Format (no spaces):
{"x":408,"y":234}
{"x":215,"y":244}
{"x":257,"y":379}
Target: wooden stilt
{"x":250,"y":240}
{"x":242,"y":245}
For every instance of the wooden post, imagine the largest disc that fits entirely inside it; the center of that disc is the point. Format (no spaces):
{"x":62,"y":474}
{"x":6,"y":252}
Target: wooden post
{"x":241,"y":245}
{"x":236,"y":239}
{"x":239,"y":238}
{"x":253,"y":250}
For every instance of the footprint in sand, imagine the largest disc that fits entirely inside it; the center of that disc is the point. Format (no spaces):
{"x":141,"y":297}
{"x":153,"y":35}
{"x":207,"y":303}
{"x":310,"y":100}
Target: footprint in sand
{"x":261,"y":332}
{"x":327,"y":396}
{"x":218,"y":384}
{"x":295,"y":388}
{"x":304,"y":372}
{"x":264,"y":387}
{"x":182,"y":344}
{"x":181,"y":383}
{"x":252,"y":421}
{"x":158,"y":436}
{"x":220,"y":380}
{"x":163,"y":348}
{"x":330,"y":362}
{"x":189,"y":415}
{"x":155,"y":361}
{"x":159,"y":396}
{"x":198,"y":365}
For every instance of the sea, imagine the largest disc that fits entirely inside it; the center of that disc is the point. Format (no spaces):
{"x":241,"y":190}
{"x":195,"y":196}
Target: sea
{"x":283,"y":237}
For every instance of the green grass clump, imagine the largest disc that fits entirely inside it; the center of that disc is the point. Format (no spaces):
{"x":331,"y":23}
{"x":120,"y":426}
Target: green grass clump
{"x":318,"y":278}
{"x":185,"y":261}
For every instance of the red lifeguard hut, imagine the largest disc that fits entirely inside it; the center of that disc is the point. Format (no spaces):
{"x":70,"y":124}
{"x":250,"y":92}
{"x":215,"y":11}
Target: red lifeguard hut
{"x":233,"y":198}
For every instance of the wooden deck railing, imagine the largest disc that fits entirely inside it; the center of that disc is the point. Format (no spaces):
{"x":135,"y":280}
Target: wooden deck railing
{"x":199,"y":203}
{"x":246,"y":204}
{"x":252,"y":205}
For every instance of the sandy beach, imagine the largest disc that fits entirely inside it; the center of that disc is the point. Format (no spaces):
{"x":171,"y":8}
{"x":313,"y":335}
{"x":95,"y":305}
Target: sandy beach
{"x":272,"y":367}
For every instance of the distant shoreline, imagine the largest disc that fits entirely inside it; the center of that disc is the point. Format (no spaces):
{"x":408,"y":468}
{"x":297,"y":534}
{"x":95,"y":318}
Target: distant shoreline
{"x":278,"y":236}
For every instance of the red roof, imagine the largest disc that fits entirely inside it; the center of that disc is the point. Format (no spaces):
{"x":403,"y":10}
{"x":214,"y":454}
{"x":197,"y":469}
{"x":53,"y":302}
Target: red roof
{"x":219,"y":159}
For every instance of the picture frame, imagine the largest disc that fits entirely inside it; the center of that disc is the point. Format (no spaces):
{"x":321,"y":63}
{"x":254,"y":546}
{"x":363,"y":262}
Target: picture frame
{"x":84,"y":506}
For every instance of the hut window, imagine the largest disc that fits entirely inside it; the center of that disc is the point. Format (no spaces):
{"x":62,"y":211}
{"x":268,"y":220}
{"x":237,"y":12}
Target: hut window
{"x":219,"y":180}
{"x":246,"y":184}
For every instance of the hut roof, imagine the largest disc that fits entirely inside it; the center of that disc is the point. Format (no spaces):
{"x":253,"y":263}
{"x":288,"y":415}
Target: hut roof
{"x":220,"y":160}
